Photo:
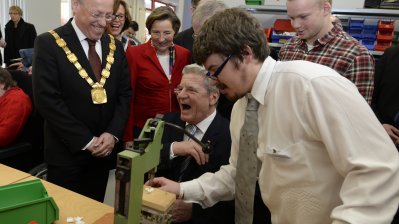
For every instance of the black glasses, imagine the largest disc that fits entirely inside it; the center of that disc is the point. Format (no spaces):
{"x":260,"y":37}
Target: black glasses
{"x":119,"y":16}
{"x":215,"y":75}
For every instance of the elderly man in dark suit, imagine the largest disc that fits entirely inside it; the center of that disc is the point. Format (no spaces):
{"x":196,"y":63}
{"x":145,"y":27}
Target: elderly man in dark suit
{"x":182,"y":159}
{"x":82,"y":88}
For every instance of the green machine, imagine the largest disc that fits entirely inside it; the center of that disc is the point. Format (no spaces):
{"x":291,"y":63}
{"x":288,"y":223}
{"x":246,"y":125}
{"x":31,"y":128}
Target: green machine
{"x":132,"y":165}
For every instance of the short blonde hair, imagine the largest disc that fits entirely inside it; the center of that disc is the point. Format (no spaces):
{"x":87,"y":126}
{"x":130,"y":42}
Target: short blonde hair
{"x":16,"y":8}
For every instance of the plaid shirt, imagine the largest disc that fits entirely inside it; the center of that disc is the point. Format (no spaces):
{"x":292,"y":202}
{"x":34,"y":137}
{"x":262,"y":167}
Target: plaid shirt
{"x":340,"y":52}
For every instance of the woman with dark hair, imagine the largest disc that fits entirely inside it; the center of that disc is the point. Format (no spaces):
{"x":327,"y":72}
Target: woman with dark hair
{"x":155,"y":69}
{"x":121,"y":20}
{"x":15,"y":108}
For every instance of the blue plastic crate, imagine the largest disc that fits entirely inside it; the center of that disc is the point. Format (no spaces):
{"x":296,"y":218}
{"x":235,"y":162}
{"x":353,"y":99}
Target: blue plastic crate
{"x":356,"y":33}
{"x":356,"y":23}
{"x":369,"y":44}
{"x":280,"y":38}
{"x":369,"y":34}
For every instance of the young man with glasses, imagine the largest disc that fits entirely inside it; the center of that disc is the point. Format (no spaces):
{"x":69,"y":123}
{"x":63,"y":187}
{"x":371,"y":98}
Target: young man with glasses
{"x":317,"y":160}
{"x":81,"y":85}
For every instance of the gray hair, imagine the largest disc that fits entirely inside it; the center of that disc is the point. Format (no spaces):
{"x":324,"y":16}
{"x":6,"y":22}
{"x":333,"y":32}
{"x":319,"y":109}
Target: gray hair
{"x":206,"y":9}
{"x":196,"y":69}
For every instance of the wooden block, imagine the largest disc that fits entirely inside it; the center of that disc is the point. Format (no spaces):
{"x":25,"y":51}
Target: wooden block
{"x":157,"y":199}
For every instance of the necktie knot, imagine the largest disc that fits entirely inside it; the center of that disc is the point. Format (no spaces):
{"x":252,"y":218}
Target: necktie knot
{"x":191,"y":129}
{"x":252,"y":104}
{"x":91,"y":42}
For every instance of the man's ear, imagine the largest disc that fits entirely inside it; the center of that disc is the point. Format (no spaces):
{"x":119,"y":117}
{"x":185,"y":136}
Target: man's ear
{"x":327,"y":8}
{"x":247,"y":53}
{"x":213,"y":98}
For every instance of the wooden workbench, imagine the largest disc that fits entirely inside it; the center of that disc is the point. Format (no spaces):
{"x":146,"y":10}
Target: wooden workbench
{"x":70,"y":204}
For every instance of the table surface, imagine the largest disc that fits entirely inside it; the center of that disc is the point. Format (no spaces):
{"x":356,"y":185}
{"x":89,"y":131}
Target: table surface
{"x":10,"y":175}
{"x":70,"y":204}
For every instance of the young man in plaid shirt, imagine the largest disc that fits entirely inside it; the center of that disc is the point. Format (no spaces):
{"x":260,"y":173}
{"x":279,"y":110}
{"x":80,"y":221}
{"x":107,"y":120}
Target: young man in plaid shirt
{"x":321,"y":41}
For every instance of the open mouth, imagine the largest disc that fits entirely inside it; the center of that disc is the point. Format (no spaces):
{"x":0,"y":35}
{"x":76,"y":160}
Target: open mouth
{"x":185,"y":106}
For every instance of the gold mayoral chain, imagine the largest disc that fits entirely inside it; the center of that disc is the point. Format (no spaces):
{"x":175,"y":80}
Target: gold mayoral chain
{"x":98,"y":93}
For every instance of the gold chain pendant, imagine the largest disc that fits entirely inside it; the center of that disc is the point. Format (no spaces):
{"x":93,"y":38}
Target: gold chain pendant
{"x":98,"y":93}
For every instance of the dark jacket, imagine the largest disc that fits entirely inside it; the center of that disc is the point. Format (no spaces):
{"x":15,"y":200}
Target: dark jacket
{"x":64,"y":99}
{"x":219,"y":135}
{"x":18,"y":38}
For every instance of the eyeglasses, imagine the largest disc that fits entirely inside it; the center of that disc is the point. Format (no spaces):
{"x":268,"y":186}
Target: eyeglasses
{"x":215,"y":75}
{"x":158,"y":34}
{"x":98,"y":16}
{"x":119,"y":16}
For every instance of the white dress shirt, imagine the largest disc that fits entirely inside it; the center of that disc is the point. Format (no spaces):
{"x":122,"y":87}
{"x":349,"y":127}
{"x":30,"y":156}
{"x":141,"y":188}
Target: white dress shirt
{"x":202,"y":126}
{"x":324,"y":156}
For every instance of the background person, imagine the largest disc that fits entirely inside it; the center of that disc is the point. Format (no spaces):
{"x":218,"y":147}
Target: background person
{"x":311,"y":141}
{"x":18,"y":35}
{"x":185,"y":38}
{"x":15,"y":109}
{"x":386,"y":92}
{"x":120,"y":21}
{"x":130,"y":33}
{"x":155,"y":69}
{"x":82,"y":124}
{"x":319,"y":40}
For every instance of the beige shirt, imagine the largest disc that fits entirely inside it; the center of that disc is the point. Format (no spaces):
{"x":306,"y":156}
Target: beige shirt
{"x":325,"y":158}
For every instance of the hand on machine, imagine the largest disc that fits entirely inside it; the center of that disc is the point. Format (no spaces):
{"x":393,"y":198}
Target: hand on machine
{"x":135,"y":203}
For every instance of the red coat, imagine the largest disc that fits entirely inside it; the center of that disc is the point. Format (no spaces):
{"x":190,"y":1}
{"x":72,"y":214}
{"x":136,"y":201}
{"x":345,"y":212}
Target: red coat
{"x":152,"y":93}
{"x":15,"y":108}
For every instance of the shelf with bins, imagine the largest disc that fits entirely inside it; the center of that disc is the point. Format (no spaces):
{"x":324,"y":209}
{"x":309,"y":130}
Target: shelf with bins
{"x":268,"y":14}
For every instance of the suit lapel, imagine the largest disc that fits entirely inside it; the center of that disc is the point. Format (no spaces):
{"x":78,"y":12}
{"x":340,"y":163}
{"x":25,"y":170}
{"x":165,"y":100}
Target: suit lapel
{"x":213,"y":130}
{"x":105,"y":40}
{"x":152,"y":55}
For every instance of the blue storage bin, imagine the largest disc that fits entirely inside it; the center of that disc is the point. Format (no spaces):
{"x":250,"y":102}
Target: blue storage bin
{"x":369,"y":44}
{"x":356,"y":23}
{"x":280,"y":38}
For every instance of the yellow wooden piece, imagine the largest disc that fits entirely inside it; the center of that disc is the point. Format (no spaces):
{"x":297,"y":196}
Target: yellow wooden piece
{"x":157,"y":199}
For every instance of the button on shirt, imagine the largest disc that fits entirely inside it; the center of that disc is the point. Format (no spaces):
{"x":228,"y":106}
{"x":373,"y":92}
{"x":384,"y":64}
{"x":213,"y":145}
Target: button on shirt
{"x":320,"y":158}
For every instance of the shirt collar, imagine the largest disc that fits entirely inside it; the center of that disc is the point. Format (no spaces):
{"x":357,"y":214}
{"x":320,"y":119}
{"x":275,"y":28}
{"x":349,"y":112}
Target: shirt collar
{"x":204,"y":124}
{"x":262,"y":80}
{"x":79,"y":33}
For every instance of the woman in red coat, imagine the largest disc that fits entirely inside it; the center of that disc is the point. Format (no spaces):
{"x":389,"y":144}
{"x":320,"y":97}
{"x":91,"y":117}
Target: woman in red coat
{"x":15,"y":108}
{"x":155,"y":69}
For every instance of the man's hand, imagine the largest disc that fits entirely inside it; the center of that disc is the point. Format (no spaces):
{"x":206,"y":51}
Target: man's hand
{"x":392,"y":132}
{"x":182,"y":211}
{"x":190,"y":148}
{"x":129,"y":145}
{"x":165,"y":185}
{"x":103,"y":145}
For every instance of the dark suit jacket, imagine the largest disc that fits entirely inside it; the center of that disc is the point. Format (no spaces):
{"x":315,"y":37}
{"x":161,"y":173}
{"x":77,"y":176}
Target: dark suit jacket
{"x":24,"y":37}
{"x":385,"y":102}
{"x":219,"y":135}
{"x":185,"y":39}
{"x":64,"y":98}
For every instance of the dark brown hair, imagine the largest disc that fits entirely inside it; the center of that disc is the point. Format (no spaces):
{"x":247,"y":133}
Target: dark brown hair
{"x":128,"y":17}
{"x":230,"y":32}
{"x":163,"y":13}
{"x":6,"y":79}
